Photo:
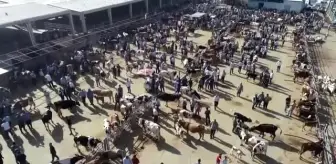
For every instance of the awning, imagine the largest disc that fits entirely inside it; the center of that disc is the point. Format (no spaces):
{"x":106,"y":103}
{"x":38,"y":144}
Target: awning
{"x":197,"y":15}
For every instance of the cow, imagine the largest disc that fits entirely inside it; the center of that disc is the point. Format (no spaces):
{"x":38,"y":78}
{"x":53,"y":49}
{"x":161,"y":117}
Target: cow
{"x":86,"y":141}
{"x":241,"y":117}
{"x":252,"y":75}
{"x":259,"y":148}
{"x":316,"y":147}
{"x":65,"y":104}
{"x":188,"y":114}
{"x":168,"y":97}
{"x":46,"y":119}
{"x":266,"y":128}
{"x":23,"y":103}
{"x":193,"y":128}
{"x":103,"y":93}
{"x":301,"y":74}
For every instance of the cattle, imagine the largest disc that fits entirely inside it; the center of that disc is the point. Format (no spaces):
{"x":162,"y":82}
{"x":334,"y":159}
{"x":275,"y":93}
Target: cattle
{"x":241,"y":117}
{"x":168,"y":97}
{"x":316,"y":147}
{"x":65,"y":104}
{"x":188,"y":114}
{"x":86,"y":141}
{"x":23,"y":103}
{"x":103,"y":93}
{"x":46,"y":119}
{"x":266,"y":128}
{"x":252,"y":75}
{"x":193,"y":128}
{"x":238,"y":124}
{"x":237,"y":151}
{"x":259,"y":148}
{"x":301,"y":74}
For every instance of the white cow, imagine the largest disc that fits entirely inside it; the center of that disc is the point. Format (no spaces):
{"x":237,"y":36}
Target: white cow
{"x":259,"y":148}
{"x":150,"y":128}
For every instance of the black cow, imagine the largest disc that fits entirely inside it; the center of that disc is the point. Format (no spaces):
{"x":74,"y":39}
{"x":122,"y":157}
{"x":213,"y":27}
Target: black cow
{"x":86,"y":141}
{"x":76,"y":158}
{"x":301,"y":74}
{"x":252,"y":75}
{"x":66,"y":104}
{"x":266,"y":128}
{"x":241,"y":117}
{"x":168,"y":97}
{"x":46,"y":119}
{"x":193,"y":70}
{"x":195,"y":94}
{"x":316,"y":147}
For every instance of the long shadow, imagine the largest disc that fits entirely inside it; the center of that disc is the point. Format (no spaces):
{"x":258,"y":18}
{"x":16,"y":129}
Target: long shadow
{"x":89,"y":81}
{"x":292,"y":76}
{"x":220,"y":130}
{"x":266,"y":114}
{"x":284,"y":146}
{"x":76,"y":118}
{"x":266,"y":159}
{"x":209,"y":146}
{"x":57,"y":133}
{"x":35,"y":139}
{"x":99,"y":110}
{"x":272,"y":58}
{"x":163,"y":145}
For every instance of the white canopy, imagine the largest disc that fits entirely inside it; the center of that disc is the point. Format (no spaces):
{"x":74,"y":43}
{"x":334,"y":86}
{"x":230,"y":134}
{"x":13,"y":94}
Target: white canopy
{"x":197,"y":15}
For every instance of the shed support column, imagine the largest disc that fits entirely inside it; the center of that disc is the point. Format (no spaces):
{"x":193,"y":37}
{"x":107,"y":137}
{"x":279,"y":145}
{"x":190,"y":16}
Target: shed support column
{"x":147,"y":9}
{"x":160,"y":2}
{"x":131,"y":10}
{"x":82,"y":18}
{"x":31,"y":33}
{"x":73,"y":31}
{"x":109,"y":13}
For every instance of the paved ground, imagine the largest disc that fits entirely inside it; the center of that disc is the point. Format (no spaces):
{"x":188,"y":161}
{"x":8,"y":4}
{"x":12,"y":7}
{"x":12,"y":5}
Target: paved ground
{"x":174,"y":150}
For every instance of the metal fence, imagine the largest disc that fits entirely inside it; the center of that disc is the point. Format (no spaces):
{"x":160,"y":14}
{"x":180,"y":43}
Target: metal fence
{"x":323,"y":122}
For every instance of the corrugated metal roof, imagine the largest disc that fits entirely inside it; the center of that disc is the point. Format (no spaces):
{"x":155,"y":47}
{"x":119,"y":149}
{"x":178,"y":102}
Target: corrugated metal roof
{"x":17,"y":14}
{"x":88,"y":6}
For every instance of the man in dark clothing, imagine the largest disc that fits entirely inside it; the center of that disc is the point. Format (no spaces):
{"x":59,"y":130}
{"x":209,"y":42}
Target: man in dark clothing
{"x":207,"y":116}
{"x":287,"y":103}
{"x":1,"y":158}
{"x":190,"y":83}
{"x":114,"y":71}
{"x":21,"y":124}
{"x":118,"y":70}
{"x":53,"y":152}
{"x":28,"y":120}
{"x":69,"y":123}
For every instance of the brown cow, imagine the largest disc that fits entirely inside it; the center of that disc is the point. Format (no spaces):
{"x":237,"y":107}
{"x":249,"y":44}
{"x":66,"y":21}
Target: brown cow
{"x":193,"y":128}
{"x":25,"y":102}
{"x":103,"y":93}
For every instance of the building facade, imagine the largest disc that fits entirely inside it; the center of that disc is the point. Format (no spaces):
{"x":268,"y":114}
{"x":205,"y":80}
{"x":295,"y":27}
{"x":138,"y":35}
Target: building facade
{"x":288,"y":5}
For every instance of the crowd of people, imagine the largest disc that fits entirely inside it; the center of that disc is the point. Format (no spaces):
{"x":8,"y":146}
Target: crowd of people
{"x":151,"y":42}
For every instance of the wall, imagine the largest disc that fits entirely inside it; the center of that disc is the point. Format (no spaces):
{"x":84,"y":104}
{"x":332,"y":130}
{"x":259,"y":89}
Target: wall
{"x":294,"y":5}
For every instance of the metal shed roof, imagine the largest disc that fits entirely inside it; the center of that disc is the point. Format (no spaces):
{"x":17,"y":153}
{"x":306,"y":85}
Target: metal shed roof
{"x":16,"y":14}
{"x":90,"y":6}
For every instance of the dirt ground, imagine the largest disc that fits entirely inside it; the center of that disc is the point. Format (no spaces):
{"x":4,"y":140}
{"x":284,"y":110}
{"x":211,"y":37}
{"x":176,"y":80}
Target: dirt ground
{"x":171,"y":149}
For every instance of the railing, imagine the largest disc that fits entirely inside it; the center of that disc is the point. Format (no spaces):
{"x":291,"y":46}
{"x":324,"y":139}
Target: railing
{"x":322,"y":132}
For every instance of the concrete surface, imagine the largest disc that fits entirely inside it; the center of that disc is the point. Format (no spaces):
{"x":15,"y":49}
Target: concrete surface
{"x":284,"y":149}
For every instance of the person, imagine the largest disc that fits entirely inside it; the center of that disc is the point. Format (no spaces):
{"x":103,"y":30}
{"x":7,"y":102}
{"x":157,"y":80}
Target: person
{"x":53,"y":152}
{"x":254,"y":100}
{"x":49,"y":80}
{"x":82,"y":95}
{"x":135,"y":160}
{"x":240,"y":89}
{"x":21,"y":123}
{"x":69,"y":123}
{"x":267,"y":99}
{"x":127,"y":160}
{"x":218,"y":158}
{"x":198,"y":161}
{"x":207,"y":116}
{"x":216,"y":101}
{"x":291,"y":108}
{"x":226,"y":160}
{"x":155,"y":115}
{"x":1,"y":158}
{"x":214,"y":127}
{"x":278,"y":64}
{"x":190,"y":83}
{"x":287,"y":102}
{"x":7,"y":128}
{"x":128,"y":85}
{"x":89,"y":95}
{"x":28,"y":120}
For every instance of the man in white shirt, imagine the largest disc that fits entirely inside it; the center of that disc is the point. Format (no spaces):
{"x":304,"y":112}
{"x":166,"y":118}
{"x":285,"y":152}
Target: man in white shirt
{"x":216,"y":101}
{"x":49,"y":80}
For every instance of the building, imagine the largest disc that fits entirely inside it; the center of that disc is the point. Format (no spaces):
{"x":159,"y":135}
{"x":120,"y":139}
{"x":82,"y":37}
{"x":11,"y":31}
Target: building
{"x":35,"y":28}
{"x":289,"y":5}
